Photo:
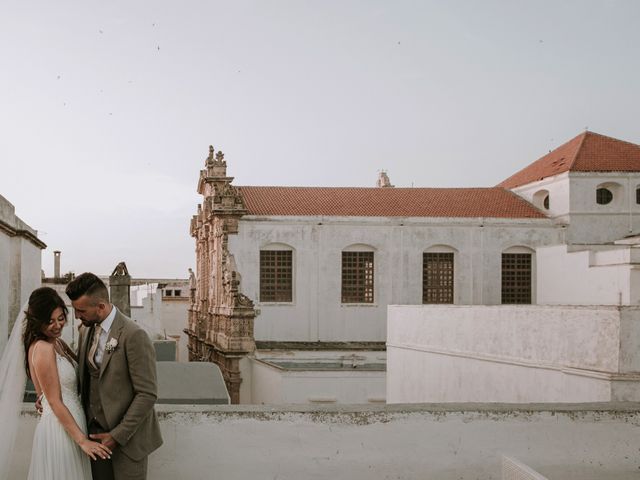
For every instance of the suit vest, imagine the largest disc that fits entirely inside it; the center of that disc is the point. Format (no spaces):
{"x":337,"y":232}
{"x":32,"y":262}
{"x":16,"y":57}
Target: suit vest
{"x":94,"y":408}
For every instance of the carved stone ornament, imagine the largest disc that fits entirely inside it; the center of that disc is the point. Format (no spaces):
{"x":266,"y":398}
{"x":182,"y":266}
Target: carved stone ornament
{"x":120,"y":270}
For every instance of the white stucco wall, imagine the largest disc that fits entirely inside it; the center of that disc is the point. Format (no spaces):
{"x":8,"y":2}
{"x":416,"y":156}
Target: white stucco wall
{"x":589,"y":276}
{"x":276,"y":384}
{"x":594,"y":223}
{"x":573,"y":201}
{"x":161,"y":316}
{"x":558,"y":188}
{"x":316,"y":313}
{"x":583,"y":442}
{"x":20,"y":266}
{"x":513,"y":354}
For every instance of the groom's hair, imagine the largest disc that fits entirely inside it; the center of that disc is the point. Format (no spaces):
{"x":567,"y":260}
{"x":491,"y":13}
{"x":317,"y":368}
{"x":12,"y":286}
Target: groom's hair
{"x":87,"y":284}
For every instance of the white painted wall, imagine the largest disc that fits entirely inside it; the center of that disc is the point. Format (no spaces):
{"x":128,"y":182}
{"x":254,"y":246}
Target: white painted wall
{"x":316,"y":313}
{"x":20,"y":267}
{"x":559,"y":195}
{"x":160,"y":316}
{"x":593,"y":223}
{"x":588,"y":277}
{"x":417,"y":442}
{"x":513,"y":354}
{"x":273,"y":383}
{"x":573,"y":202}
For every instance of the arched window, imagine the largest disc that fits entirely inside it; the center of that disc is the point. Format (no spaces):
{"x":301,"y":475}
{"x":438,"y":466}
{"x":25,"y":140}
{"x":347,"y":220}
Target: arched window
{"x":541,"y":199}
{"x":603,"y":196}
{"x":517,"y":269}
{"x":276,"y":273}
{"x":438,"y":278}
{"x":608,"y":193}
{"x":358,"y":274}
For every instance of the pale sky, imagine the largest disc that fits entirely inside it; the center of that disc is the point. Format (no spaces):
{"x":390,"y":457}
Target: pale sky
{"x":108,"y":107}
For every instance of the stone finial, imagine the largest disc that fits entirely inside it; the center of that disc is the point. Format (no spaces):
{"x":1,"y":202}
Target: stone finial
{"x":219,"y":156}
{"x":209,"y":159}
{"x":383,"y":179}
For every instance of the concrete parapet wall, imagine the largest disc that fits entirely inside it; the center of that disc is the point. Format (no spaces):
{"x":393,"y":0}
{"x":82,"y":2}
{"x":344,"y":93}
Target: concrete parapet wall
{"x":438,"y":442}
{"x":513,"y":354}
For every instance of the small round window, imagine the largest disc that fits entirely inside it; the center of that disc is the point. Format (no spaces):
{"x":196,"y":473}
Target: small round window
{"x":545,"y":202}
{"x":603,"y":196}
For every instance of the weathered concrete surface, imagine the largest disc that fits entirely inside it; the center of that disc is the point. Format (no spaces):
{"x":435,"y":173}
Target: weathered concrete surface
{"x":191,"y":383}
{"x":316,"y":313}
{"x":523,"y":353}
{"x":436,"y":442}
{"x":20,"y":259}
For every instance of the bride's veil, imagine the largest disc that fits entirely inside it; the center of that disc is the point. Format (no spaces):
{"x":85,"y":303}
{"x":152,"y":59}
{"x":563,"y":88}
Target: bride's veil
{"x":12,"y":383}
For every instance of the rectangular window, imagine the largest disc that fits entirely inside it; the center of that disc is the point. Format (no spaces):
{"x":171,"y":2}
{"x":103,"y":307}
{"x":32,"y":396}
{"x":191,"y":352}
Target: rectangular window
{"x":437,"y":277}
{"x":516,"y":278}
{"x":276,"y":274}
{"x":167,"y":293}
{"x":178,"y":293}
{"x":357,"y":277}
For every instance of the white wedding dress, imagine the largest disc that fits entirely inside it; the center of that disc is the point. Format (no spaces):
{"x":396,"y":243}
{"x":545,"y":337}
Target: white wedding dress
{"x":55,"y":456}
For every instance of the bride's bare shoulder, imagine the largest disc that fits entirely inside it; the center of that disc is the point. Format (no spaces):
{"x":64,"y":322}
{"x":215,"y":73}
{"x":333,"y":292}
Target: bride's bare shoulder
{"x":41,"y":348}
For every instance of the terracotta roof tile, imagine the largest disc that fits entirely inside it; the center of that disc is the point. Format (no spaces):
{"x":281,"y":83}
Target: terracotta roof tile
{"x":588,"y":152}
{"x":387,"y":202}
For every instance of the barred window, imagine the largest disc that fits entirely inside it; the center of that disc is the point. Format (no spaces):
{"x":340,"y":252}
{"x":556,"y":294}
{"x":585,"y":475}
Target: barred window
{"x":516,"y":278}
{"x":603,"y":196}
{"x":276,"y":273}
{"x":437,"y":277}
{"x":357,"y":277}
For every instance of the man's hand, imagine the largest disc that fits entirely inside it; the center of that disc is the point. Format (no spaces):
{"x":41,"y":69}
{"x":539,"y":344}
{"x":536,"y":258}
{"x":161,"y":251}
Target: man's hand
{"x":105,"y":439}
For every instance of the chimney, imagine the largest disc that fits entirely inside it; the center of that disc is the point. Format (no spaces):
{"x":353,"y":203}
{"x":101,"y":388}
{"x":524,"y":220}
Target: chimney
{"x":56,"y":264}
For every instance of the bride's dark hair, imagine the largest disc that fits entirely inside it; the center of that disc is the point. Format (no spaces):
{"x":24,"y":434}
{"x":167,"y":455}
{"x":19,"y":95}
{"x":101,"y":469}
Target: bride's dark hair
{"x":42,"y":302}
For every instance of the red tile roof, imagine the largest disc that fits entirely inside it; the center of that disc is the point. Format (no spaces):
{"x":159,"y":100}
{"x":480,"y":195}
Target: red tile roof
{"x":387,"y":202}
{"x":588,"y":152}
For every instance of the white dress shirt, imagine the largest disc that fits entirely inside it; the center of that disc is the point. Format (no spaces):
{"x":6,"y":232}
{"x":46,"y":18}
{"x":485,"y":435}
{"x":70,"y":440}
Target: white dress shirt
{"x":105,"y":325}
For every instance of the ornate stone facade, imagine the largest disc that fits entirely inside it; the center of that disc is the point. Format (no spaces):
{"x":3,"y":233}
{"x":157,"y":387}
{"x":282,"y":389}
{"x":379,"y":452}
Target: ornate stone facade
{"x":220,"y":317}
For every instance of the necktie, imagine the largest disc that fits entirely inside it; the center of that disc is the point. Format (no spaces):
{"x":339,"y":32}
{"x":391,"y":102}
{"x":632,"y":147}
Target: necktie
{"x":94,"y":346}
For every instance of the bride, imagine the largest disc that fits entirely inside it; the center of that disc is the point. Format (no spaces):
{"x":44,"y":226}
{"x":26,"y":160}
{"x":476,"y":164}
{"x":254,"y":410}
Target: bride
{"x":61,"y":449}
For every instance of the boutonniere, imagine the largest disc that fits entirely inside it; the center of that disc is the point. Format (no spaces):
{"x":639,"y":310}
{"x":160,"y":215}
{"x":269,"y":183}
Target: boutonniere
{"x":111,"y":345}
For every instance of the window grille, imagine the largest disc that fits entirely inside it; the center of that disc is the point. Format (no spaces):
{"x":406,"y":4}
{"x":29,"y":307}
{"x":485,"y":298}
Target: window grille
{"x":603,"y":196}
{"x":516,"y":278}
{"x":276,"y":274}
{"x":437,"y":278}
{"x":357,"y":277}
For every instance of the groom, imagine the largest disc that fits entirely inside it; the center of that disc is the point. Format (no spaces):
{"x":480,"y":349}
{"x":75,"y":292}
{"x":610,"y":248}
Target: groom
{"x":117,"y":373}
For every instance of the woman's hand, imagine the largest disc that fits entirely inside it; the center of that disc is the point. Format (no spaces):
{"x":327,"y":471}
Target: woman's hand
{"x":95,"y":450}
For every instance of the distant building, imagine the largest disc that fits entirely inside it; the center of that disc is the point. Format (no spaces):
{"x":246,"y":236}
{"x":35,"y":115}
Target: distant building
{"x":321,"y":265}
{"x":20,"y":260}
{"x":161,"y":305}
{"x":580,"y":342}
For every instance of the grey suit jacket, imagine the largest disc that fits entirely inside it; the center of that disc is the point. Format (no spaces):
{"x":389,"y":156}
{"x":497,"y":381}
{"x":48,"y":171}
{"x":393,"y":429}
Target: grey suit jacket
{"x":128,"y":386}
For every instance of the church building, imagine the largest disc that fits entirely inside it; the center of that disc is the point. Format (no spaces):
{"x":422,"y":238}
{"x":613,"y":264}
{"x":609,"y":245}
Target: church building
{"x":306,"y":274}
